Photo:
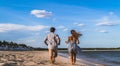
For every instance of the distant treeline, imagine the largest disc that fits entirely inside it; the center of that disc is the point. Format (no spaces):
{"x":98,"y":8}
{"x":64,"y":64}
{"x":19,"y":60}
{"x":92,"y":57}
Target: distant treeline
{"x":81,"y":49}
{"x":5,"y":45}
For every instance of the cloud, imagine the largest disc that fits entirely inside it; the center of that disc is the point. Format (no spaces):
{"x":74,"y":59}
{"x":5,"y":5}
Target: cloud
{"x":41,"y":13}
{"x":61,"y":27}
{"x":75,"y":23}
{"x":47,"y":31}
{"x":54,"y":19}
{"x":65,"y":29}
{"x":12,"y":27}
{"x":110,"y":20}
{"x":106,"y":24}
{"x":80,"y":25}
{"x":111,"y":13}
{"x":33,"y":40}
{"x":103,"y":31}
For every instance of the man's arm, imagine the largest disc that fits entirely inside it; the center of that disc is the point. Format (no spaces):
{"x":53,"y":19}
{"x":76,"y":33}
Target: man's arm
{"x":45,"y":40}
{"x":58,"y":39}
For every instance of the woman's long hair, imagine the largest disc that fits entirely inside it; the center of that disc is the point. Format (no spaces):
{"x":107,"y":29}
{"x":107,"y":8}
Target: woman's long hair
{"x":75,"y":34}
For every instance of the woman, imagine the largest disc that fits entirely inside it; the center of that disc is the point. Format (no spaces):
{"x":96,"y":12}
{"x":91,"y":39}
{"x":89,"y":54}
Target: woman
{"x":73,"y":40}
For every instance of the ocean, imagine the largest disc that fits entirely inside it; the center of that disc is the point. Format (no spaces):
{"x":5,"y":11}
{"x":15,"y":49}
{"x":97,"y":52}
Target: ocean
{"x":108,"y":58}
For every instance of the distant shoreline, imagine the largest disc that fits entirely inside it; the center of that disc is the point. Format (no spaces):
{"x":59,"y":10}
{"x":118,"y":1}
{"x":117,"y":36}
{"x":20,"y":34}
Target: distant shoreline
{"x":58,"y":50}
{"x":86,"y":49}
{"x":94,"y":50}
{"x":65,"y":49}
{"x":100,"y":50}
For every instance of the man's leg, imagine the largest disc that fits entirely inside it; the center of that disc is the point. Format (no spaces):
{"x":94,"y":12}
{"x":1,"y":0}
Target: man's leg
{"x":51,"y":55}
{"x":55,"y":52}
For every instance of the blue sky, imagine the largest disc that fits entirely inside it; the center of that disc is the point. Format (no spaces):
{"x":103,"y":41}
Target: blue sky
{"x":28,"y":21}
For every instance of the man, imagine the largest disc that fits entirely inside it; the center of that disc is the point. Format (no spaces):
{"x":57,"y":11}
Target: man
{"x":52,"y":40}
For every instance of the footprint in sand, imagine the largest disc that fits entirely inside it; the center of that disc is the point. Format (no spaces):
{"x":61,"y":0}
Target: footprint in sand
{"x":42,"y":62}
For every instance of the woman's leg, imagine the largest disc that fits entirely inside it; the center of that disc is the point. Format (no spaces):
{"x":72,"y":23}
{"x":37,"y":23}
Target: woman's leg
{"x":74,"y":58}
{"x":71,"y":57}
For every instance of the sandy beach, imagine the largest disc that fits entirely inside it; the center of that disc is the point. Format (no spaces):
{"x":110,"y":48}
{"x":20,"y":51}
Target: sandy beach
{"x":36,"y":58}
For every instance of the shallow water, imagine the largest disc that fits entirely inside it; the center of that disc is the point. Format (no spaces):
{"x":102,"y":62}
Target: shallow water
{"x":109,"y":58}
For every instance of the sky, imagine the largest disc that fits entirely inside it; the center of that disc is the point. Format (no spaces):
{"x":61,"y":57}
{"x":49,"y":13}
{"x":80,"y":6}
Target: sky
{"x":28,"y":21}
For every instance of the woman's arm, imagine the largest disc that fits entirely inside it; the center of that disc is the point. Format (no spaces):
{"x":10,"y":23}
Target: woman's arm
{"x":68,"y":40}
{"x":77,"y":41}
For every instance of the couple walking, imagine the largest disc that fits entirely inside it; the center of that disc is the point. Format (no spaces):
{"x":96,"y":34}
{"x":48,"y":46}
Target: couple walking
{"x":52,"y":40}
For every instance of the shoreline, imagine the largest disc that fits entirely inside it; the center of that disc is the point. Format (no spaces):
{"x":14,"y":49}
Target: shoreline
{"x":100,"y":50}
{"x":37,"y":58}
{"x":93,"y":50}
{"x":84,"y":61}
